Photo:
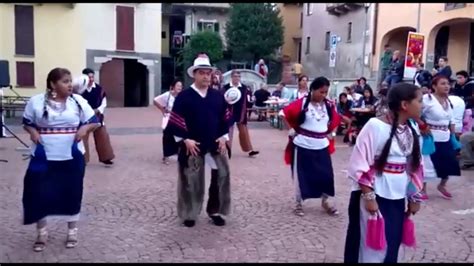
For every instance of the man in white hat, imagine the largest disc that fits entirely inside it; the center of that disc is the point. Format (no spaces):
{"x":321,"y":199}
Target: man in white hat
{"x":200,"y":123}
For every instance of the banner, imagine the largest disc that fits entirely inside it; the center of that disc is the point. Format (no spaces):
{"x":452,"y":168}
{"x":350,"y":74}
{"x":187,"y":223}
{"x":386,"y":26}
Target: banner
{"x":414,"y":54}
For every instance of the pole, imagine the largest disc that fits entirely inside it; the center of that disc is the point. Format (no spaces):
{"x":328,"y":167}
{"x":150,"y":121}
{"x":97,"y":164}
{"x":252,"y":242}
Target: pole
{"x":418,"y":18}
{"x":366,"y":6}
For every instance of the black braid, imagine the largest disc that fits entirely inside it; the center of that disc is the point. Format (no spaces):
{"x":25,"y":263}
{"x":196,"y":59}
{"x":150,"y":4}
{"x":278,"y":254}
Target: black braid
{"x":78,"y":104}
{"x":382,"y":160}
{"x":328,"y":108}
{"x":416,"y":154}
{"x":302,"y":116}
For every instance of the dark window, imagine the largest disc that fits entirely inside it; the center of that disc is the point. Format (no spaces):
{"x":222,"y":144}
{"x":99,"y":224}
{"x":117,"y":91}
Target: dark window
{"x":349,"y":32}
{"x":25,"y":74}
{"x":24,"y":30}
{"x":211,"y":26}
{"x":200,"y":26}
{"x":308,"y":9}
{"x":216,"y":27}
{"x":125,"y":28}
{"x":301,"y":20}
{"x":327,"y":40}
{"x":163,"y":35}
{"x":308,"y":45}
{"x":450,"y":6}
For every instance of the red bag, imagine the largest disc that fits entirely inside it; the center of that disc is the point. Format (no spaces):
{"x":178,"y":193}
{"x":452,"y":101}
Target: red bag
{"x":375,"y":236}
{"x":408,"y":235}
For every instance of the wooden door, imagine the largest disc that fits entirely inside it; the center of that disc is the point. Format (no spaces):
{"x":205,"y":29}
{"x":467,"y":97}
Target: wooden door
{"x":112,"y":80}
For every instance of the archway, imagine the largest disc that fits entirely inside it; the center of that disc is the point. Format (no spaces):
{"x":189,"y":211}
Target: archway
{"x":451,"y":38}
{"x":397,"y":39}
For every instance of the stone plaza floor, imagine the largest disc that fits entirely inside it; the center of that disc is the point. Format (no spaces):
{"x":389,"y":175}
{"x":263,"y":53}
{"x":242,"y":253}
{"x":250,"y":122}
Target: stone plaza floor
{"x":129,"y":209}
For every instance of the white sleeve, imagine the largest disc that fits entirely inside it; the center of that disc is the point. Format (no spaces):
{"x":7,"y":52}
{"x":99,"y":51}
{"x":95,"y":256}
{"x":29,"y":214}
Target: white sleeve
{"x":162,"y":99}
{"x":29,"y":115}
{"x":87,"y":112}
{"x":102,"y":106}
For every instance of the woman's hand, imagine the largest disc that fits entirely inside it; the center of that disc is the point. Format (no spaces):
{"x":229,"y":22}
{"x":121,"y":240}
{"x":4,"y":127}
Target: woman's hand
{"x":371,"y":206}
{"x":413,"y":207}
{"x":81,"y":133}
{"x":35,"y":137}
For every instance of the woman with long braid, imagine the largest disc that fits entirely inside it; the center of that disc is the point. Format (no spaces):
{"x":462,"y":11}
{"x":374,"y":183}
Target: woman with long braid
{"x":385,"y":168}
{"x":438,"y":121}
{"x":57,"y":121}
{"x":313,"y":121}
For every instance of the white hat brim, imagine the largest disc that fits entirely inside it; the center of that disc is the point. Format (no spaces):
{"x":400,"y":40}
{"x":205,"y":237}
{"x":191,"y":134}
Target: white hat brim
{"x":192,"y":68}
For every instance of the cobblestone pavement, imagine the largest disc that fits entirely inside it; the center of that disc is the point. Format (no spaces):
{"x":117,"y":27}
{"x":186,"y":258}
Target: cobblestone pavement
{"x":129,"y":210}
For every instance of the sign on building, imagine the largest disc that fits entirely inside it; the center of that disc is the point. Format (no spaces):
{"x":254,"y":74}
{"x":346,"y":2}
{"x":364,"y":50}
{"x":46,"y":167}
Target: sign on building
{"x":332,"y":51}
{"x":414,"y":54}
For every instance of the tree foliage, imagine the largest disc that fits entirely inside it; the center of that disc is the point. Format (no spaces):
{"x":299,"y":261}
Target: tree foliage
{"x":254,"y":30}
{"x":205,"y":41}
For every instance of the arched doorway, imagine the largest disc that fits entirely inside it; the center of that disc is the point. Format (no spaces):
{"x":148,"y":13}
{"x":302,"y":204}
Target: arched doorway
{"x":397,"y":39}
{"x":126,"y":82}
{"x":452,"y":38}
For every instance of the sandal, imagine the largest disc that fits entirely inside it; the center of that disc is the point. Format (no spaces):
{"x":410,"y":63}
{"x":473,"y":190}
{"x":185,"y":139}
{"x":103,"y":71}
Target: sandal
{"x":40,"y":243}
{"x":71,"y":240}
{"x":299,"y":210}
{"x":166,"y":161}
{"x":331,"y":210}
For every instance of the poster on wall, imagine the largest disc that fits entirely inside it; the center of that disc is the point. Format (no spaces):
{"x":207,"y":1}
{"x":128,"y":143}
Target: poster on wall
{"x":414,"y":54}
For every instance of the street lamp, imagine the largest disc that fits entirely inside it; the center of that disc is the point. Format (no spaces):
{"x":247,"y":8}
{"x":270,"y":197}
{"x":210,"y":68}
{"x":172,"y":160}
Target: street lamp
{"x":366,"y":6}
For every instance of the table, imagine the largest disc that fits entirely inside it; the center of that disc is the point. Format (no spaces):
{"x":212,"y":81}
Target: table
{"x":274,"y":107}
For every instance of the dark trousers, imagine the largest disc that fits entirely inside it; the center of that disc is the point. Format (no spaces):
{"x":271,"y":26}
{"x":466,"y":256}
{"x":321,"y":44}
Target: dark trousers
{"x":213,"y":201}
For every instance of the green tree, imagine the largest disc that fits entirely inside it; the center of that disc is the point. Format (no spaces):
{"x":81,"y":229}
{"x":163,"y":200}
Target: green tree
{"x":254,"y":30}
{"x":205,"y":41}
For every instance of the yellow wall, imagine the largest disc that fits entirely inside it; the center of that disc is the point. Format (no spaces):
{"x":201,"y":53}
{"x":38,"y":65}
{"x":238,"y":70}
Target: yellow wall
{"x":291,"y":21}
{"x":458,"y":46}
{"x":165,"y":43}
{"x":58,"y":43}
{"x":392,"y":16}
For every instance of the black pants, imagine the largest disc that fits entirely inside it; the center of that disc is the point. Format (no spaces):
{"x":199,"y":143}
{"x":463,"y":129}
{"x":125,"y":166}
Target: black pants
{"x":213,"y":201}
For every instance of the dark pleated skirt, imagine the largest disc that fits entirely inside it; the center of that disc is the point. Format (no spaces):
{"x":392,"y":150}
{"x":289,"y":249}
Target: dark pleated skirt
{"x":314,"y":172}
{"x":170,"y":147}
{"x":444,"y":160}
{"x":393,"y":212}
{"x":53,"y":187}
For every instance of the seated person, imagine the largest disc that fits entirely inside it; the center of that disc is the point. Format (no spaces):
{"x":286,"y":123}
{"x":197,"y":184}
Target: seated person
{"x":344,"y":106}
{"x":367,"y":101}
{"x":261,"y":96}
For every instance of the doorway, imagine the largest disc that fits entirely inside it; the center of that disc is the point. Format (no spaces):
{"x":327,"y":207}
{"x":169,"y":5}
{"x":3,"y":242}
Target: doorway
{"x":136,"y":85}
{"x":441,"y":43}
{"x":126,"y":83}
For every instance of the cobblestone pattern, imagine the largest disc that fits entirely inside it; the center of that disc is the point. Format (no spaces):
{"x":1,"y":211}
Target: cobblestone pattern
{"x":129,"y":210}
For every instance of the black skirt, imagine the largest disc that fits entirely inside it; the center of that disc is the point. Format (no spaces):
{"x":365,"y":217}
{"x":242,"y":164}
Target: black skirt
{"x":444,"y":160}
{"x":53,"y":187}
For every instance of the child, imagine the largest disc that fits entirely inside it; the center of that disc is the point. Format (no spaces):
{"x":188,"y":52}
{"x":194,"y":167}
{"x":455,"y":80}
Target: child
{"x":386,"y":168}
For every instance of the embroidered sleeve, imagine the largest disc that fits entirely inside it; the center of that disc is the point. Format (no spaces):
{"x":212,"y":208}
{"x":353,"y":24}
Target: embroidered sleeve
{"x":363,"y":156}
{"x":177,"y":123}
{"x":29,"y":117}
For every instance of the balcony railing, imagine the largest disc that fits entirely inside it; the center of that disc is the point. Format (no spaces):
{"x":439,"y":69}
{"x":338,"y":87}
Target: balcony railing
{"x":338,"y":9}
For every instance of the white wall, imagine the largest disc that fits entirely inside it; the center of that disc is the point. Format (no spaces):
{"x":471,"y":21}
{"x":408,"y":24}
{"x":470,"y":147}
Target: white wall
{"x":99,"y":22}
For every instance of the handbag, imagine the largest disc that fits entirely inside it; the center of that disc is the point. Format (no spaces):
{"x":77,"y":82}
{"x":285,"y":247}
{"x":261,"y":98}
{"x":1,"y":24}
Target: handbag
{"x":428,"y":145}
{"x":408,"y":234}
{"x":375,"y":235}
{"x":454,"y":142}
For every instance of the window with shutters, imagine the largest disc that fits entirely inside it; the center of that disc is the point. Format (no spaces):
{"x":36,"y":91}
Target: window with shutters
{"x":327,"y":40}
{"x":125,"y":28}
{"x":24,"y":30}
{"x":308,"y":45}
{"x":25,"y":74}
{"x":349,"y":32}
{"x":208,"y":25}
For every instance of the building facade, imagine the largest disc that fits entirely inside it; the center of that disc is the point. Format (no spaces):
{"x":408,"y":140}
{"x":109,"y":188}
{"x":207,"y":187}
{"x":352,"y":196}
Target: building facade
{"x":447,"y":27}
{"x":292,"y":15}
{"x":180,"y":21}
{"x":351,"y":24}
{"x":112,"y":39}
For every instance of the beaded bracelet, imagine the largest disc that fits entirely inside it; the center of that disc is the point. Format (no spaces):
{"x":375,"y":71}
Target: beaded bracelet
{"x":369,"y":195}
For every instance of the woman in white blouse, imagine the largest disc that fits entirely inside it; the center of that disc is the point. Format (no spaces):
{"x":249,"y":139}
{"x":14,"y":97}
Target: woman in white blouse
{"x":439,"y":122}
{"x":57,"y":121}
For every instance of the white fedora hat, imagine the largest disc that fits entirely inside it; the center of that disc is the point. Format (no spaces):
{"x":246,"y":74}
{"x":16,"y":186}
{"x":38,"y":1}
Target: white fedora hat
{"x":79,"y":84}
{"x":201,"y":62}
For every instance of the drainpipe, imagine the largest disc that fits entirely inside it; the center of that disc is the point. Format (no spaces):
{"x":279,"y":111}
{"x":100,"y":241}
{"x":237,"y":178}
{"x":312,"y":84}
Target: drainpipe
{"x":418,"y":18}
{"x":366,"y":6}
